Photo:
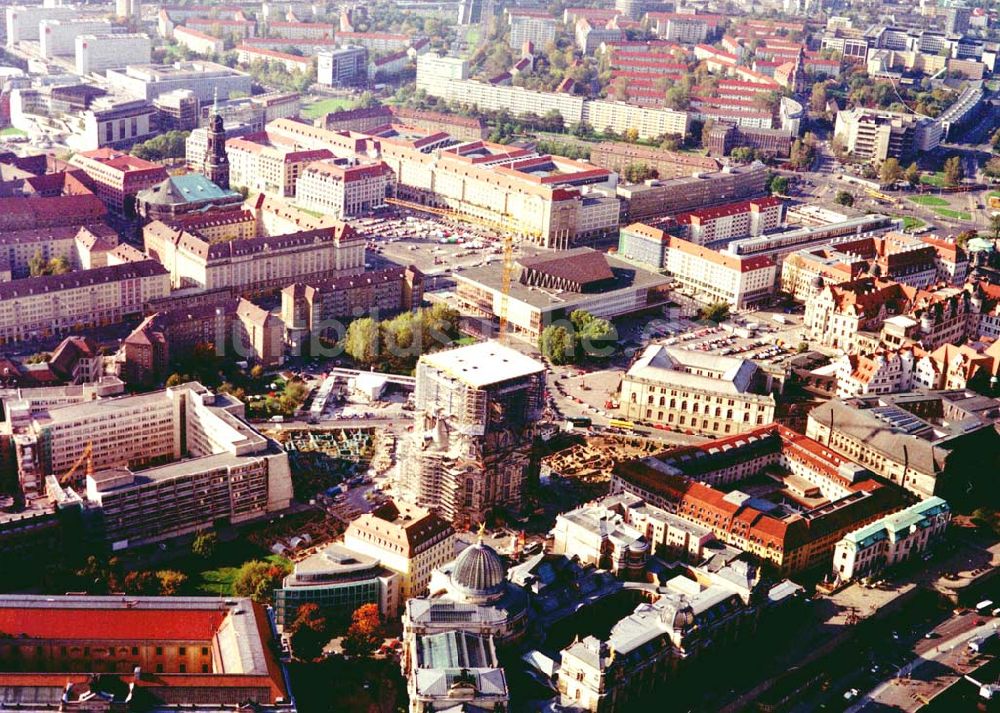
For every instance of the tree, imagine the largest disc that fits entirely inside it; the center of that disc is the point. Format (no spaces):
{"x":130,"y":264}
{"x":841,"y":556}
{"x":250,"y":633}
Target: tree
{"x":818,"y":98}
{"x":596,"y":338}
{"x":912,"y":174}
{"x":890,"y":172}
{"x":557,"y":344}
{"x":205,"y":544}
{"x":171,"y":582}
{"x":365,"y":631}
{"x":143,"y":583}
{"x":175,"y":379}
{"x":361,"y":341}
{"x":258,"y":580}
{"x":963,"y":238}
{"x":992,"y":167}
{"x":779,"y":185}
{"x":953,"y":171}
{"x":631,"y":135}
{"x":637,"y":173}
{"x":844,"y":198}
{"x":715,"y":312}
{"x":309,"y":632}
{"x":802,"y":348}
{"x":995,"y":226}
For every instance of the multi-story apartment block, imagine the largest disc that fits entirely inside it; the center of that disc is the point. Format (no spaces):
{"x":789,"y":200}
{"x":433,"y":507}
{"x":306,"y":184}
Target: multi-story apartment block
{"x":410,"y":541}
{"x":535,"y":26}
{"x":342,"y":189}
{"x":301,"y":30}
{"x":342,"y":67}
{"x":470,"y":449}
{"x":82,"y":248}
{"x":835,"y":495}
{"x":447,"y":77}
{"x":23,"y":21}
{"x":951,"y":260}
{"x":696,"y":392}
{"x":58,"y":304}
{"x":95,"y":53}
{"x":231,"y":29}
{"x":268,"y":163}
{"x":897,"y":538}
{"x":929,"y":442}
{"x":57,"y":38}
{"x":118,"y":177}
{"x":731,"y":221}
{"x":311,"y":310}
{"x":291,"y":62}
{"x":617,"y":156}
{"x":877,"y":135}
{"x":198,"y":42}
{"x":737,"y":280}
{"x":381,"y":42}
{"x":836,"y":315}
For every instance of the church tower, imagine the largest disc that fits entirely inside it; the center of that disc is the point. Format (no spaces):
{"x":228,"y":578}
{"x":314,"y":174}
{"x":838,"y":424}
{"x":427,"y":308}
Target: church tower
{"x":216,"y":160}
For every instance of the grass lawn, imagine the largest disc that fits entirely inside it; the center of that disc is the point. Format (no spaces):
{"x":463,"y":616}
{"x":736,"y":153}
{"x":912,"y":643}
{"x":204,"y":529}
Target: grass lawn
{"x":930,"y":201}
{"x":12,"y":131}
{"x":219,"y":581}
{"x":911,"y":223}
{"x":934,"y":179}
{"x":993,"y":194}
{"x":953,"y":214}
{"x":325,"y":106}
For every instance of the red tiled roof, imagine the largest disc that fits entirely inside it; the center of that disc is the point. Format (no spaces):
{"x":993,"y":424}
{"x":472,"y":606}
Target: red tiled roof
{"x":118,"y":624}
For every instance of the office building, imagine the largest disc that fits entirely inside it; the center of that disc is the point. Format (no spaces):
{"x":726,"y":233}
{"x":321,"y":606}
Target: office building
{"x":470,"y":449}
{"x":130,"y":10}
{"x":619,"y":532}
{"x":57,"y":38}
{"x":343,"y":189}
{"x":118,"y":177}
{"x":116,"y":123}
{"x":206,"y":79}
{"x":280,"y":252}
{"x":929,"y":442}
{"x":409,"y":540}
{"x":177,"y":110}
{"x":658,"y":198}
{"x":316,"y":308}
{"x":723,"y":137}
{"x":78,"y":652}
{"x":268,"y":163}
{"x":717,"y":276}
{"x":338,"y":580}
{"x":696,"y":392}
{"x":546,"y":288}
{"x":23,"y":21}
{"x":344,"y":67}
{"x":831,"y":495}
{"x":617,"y":156}
{"x":96,"y":53}
{"x":159,"y":465}
{"x":873,"y":135}
{"x":956,"y":19}
{"x":897,"y":538}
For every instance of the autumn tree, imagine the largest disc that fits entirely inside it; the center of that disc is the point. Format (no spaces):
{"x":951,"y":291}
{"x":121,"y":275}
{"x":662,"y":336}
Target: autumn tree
{"x":309,"y":632}
{"x":365,"y":631}
{"x":953,"y":171}
{"x":142,"y":583}
{"x":205,"y":544}
{"x":818,"y":98}
{"x":890,"y":172}
{"x":258,"y":580}
{"x":992,"y":167}
{"x":361,"y":341}
{"x":171,"y":582}
{"x":912,"y":174}
{"x":557,"y":344}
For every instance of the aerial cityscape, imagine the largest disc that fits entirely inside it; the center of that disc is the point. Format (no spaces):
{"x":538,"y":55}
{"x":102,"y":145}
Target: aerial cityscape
{"x":499,"y":356}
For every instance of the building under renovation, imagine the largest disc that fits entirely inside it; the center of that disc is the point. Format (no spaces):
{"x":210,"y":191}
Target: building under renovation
{"x":470,"y":449}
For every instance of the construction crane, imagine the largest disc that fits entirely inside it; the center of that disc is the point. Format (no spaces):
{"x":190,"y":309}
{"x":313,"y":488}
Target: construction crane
{"x":507,"y":227}
{"x":87,"y":455}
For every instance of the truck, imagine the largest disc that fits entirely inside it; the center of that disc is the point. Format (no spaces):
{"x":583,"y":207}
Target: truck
{"x":780,"y":319}
{"x":980,"y":643}
{"x":984,"y":606}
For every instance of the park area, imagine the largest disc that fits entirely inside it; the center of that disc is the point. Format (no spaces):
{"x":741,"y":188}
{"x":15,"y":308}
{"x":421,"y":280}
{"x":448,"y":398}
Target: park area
{"x":325,"y":106}
{"x":941,"y":207}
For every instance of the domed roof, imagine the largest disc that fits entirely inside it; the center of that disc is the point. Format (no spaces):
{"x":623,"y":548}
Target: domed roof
{"x":479,"y":571}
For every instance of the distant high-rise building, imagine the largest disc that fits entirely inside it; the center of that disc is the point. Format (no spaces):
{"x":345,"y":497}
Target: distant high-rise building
{"x":470,"y":450}
{"x":956,"y":20}
{"x":128,"y":9}
{"x":216,"y":159}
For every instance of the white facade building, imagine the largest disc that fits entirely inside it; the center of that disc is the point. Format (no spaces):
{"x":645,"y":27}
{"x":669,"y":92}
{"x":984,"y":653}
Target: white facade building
{"x":95,"y":53}
{"x":893,"y":539}
{"x":343,"y":191}
{"x":57,"y":38}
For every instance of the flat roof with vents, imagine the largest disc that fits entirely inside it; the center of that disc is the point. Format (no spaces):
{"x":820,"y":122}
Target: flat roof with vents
{"x":482,"y":364}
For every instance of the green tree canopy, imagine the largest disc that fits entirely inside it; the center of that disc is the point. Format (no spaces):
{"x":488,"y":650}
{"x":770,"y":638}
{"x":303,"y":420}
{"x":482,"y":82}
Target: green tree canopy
{"x":258,"y":580}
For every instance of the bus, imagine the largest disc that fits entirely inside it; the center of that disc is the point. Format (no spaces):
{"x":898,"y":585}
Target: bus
{"x":621,"y":424}
{"x":579,"y":421}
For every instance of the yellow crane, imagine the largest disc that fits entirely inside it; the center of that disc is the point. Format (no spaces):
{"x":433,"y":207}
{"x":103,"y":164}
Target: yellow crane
{"x":507,"y":228}
{"x":87,"y":455}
